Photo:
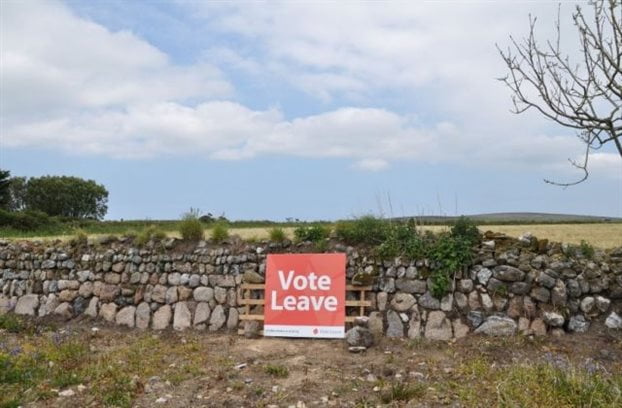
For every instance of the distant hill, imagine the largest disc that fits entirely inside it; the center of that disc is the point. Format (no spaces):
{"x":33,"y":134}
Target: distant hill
{"x":520,"y":218}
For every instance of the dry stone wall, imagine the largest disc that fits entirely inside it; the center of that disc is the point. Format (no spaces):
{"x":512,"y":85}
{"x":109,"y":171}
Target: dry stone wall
{"x":513,"y":286}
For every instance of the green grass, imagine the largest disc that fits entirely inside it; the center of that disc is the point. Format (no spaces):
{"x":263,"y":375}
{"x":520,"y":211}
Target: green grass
{"x":402,"y":392}
{"x":277,"y":371}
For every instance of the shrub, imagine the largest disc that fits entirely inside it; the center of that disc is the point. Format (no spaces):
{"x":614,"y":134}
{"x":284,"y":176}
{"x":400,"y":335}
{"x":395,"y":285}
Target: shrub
{"x":402,"y":392}
{"x":313,"y":233}
{"x":586,"y":249}
{"x":465,"y":228}
{"x":367,"y":230}
{"x":277,"y":234}
{"x":28,"y":220}
{"x":80,"y":237}
{"x":278,"y":371}
{"x":191,"y":228}
{"x":449,"y":255}
{"x":220,"y":232}
{"x":150,"y":233}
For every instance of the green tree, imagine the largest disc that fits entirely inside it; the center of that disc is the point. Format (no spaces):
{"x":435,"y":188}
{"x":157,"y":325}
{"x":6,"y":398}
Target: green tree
{"x":67,"y":197}
{"x":5,"y":194}
{"x":17,"y":190}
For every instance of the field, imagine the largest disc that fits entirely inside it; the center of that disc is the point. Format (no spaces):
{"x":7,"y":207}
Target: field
{"x":77,"y":365}
{"x":601,"y":235}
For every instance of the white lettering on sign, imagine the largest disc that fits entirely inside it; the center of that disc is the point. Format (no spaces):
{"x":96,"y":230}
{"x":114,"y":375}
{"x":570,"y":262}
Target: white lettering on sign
{"x":304,"y":302}
{"x":301,"y":282}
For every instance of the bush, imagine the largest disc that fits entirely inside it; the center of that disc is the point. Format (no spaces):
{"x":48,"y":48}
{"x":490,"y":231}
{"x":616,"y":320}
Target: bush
{"x":313,"y":233}
{"x":367,"y":230}
{"x":449,"y":254}
{"x":191,"y":228}
{"x":277,"y":234}
{"x":465,"y":228}
{"x":220,"y":232}
{"x":150,"y":233}
{"x":28,"y":220}
{"x":586,"y":249}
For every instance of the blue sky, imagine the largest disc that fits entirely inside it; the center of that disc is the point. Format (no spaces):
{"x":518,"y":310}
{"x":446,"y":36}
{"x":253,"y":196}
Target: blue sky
{"x":271,"y":110}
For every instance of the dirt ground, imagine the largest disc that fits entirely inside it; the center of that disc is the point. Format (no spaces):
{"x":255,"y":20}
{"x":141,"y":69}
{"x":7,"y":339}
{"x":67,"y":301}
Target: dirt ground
{"x":192,"y":369}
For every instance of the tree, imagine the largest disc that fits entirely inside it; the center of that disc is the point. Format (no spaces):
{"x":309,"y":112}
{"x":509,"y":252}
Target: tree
{"x":5,"y":194}
{"x":585,"y":96}
{"x":67,"y":196}
{"x":17,"y":190}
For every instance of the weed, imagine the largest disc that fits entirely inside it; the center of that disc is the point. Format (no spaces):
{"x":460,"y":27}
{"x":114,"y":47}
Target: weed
{"x":586,"y":249}
{"x":313,"y":233}
{"x":278,"y":371}
{"x":402,"y":392}
{"x":466,"y":229}
{"x":11,"y":323}
{"x":220,"y":232}
{"x":277,"y":234}
{"x":367,"y":230}
{"x":191,"y":228}
{"x":148,"y":234}
{"x":80,"y":238}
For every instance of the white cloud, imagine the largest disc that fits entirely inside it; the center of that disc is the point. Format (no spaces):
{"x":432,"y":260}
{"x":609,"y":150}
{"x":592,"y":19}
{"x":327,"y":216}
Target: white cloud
{"x":74,"y":85}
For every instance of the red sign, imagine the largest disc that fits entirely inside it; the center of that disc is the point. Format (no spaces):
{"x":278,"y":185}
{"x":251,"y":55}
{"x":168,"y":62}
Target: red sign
{"x":305,"y":295}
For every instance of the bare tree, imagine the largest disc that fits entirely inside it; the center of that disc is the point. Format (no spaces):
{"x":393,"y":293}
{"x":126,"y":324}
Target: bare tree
{"x":586,"y":95}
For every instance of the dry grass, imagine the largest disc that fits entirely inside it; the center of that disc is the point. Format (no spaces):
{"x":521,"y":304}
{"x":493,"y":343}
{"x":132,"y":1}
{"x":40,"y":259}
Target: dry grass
{"x":599,"y":235}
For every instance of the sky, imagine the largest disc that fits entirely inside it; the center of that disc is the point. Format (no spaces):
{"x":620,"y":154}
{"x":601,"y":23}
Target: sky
{"x":309,"y":110}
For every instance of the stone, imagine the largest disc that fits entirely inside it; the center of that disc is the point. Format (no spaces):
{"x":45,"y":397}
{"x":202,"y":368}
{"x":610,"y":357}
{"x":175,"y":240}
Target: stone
{"x":553,"y":319}
{"x":515,"y":308}
{"x":5,"y":305}
{"x":184,"y":293}
{"x":126,"y":317}
{"x":508,"y":273}
{"x":252,"y":277}
{"x":559,"y":294}
{"x":395,"y":326}
{"x":174,"y":279}
{"x":578,"y":324}
{"x":27,"y":305}
{"x":538,"y":327}
{"x":233,"y":318}
{"x":461,"y":300}
{"x":217,"y":319}
{"x":92,"y":309}
{"x":520,"y":288}
{"x":602,"y":304}
{"x":546,"y":280}
{"x":251,"y":329}
{"x":484,"y":275}
{"x":475,"y":318}
{"x":64,"y":310}
{"x":109,"y":292}
{"x":411,"y":285}
{"x":487,"y":302}
{"x":67,"y":295}
{"x":474,"y":302}
{"x":403,"y":302}
{"x":162,"y":318}
{"x":201,"y":314}
{"x":465,"y":285}
{"x":438,"y":327}
{"x":112,"y":278}
{"x":460,"y":329}
{"x":158,"y":294}
{"x":220,"y":294}
{"x":414,"y":325}
{"x":51,"y":303}
{"x":376,"y":324}
{"x":359,"y":337}
{"x":613,"y":321}
{"x":447,"y":303}
{"x":541,"y":294}
{"x":588,"y":304}
{"x":143,"y":316}
{"x":171,"y":295}
{"x":182,"y":317}
{"x":381,"y":301}
{"x":523,"y":325}
{"x":86,"y":289}
{"x":362,"y":321}
{"x":108,"y":311}
{"x":497,"y":326}
{"x":429,"y":302}
{"x":203,"y":294}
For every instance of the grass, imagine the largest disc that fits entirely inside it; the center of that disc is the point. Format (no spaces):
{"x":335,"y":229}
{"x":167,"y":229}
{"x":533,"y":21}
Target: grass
{"x":277,"y":371}
{"x":402,"y":392}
